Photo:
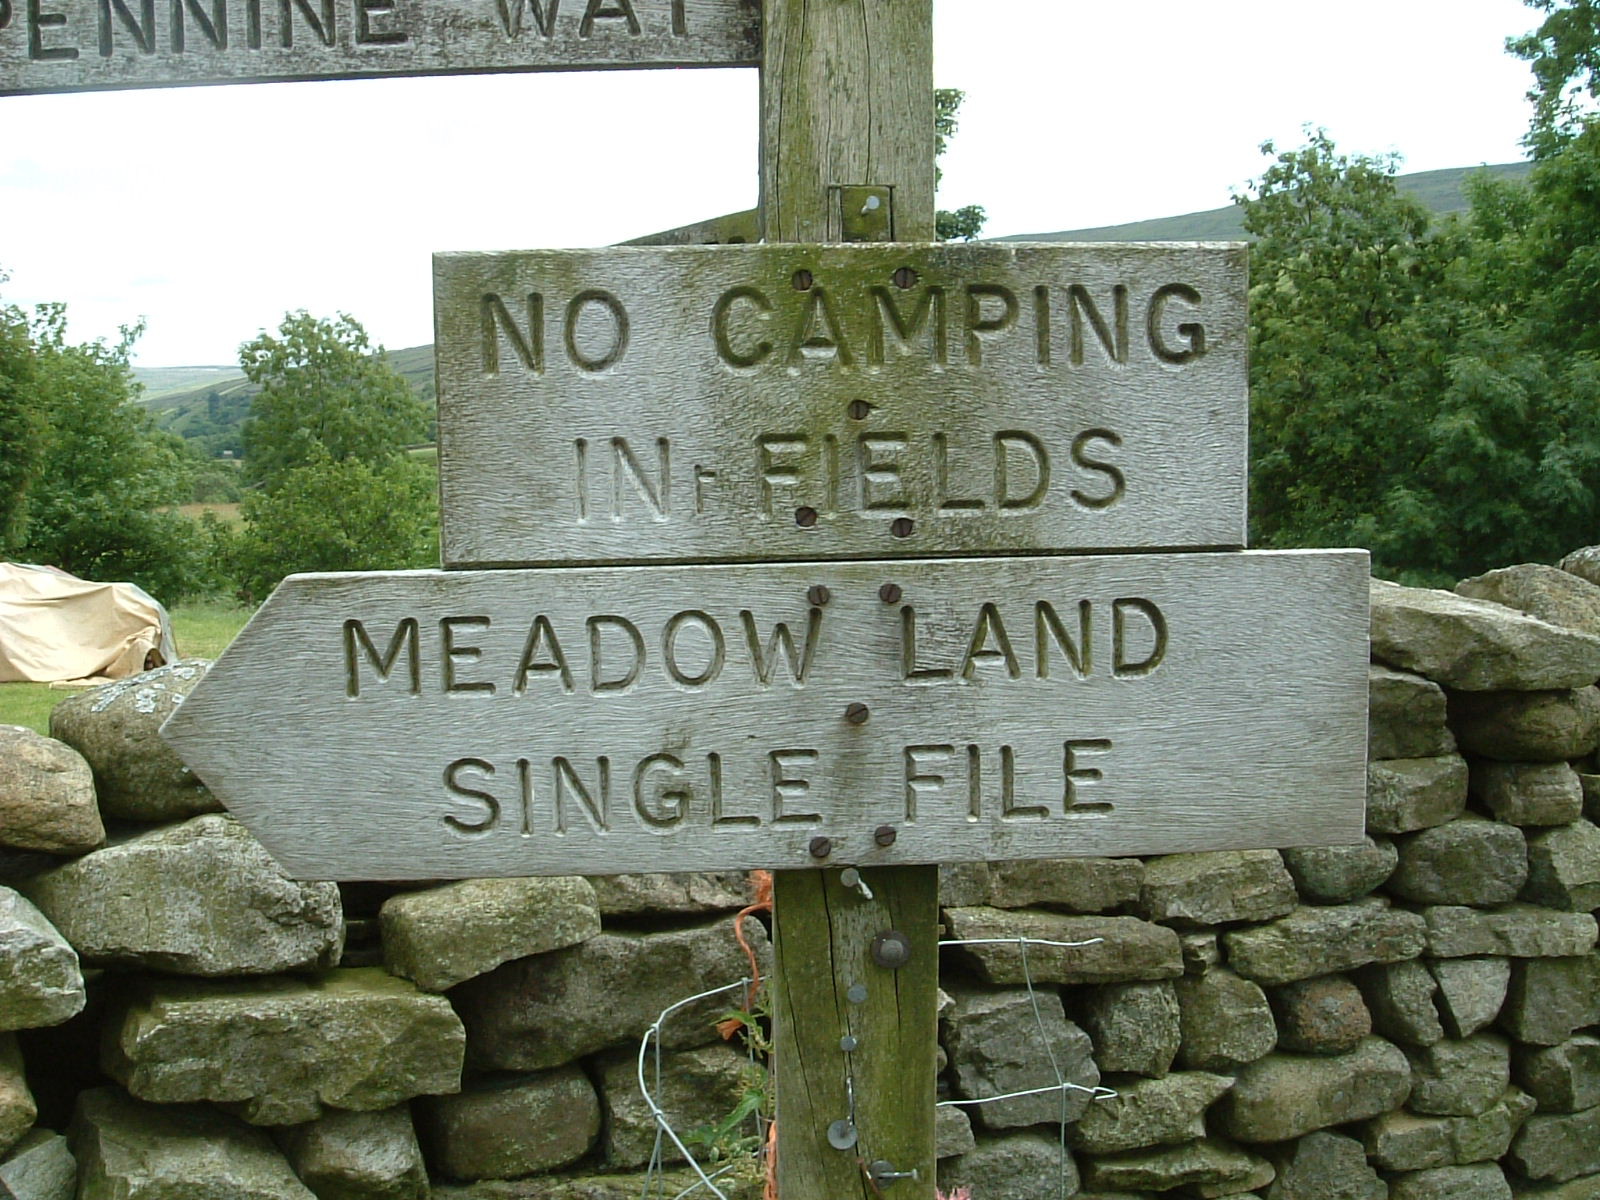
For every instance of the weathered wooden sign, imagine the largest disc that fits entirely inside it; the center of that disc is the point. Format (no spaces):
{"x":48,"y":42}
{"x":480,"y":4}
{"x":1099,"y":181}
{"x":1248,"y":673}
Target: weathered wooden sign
{"x":787,"y":402}
{"x":85,"y":45}
{"x":451,"y":724}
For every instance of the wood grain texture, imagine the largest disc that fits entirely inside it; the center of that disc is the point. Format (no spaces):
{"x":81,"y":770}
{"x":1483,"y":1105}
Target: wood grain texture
{"x":736,"y":228}
{"x":847,"y":98}
{"x":1247,"y":732}
{"x":683,"y":404}
{"x":94,"y":45}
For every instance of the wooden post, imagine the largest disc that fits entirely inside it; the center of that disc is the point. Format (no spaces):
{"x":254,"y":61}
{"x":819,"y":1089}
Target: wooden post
{"x":847,"y":100}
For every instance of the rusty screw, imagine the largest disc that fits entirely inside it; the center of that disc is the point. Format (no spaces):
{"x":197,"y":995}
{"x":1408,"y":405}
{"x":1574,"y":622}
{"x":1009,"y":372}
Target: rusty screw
{"x":805,"y":517}
{"x":803,"y":280}
{"x":818,"y":595}
{"x":905,"y":277}
{"x":884,"y":835}
{"x":857,"y":714}
{"x":859,"y":410}
{"x":821,"y":847}
{"x":890,"y":593}
{"x":901,"y":527}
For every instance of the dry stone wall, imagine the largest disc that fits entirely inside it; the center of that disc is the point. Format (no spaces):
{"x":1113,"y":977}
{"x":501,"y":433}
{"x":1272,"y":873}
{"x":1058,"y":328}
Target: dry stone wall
{"x":1415,"y":1017}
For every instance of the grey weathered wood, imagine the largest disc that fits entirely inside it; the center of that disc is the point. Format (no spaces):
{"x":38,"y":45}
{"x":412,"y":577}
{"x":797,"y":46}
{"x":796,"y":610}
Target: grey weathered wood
{"x":734,"y":228}
{"x":1248,"y":732}
{"x":682,"y":404}
{"x":92,"y":45}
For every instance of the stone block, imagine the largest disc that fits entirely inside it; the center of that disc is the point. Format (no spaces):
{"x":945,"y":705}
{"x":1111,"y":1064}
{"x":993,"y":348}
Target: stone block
{"x":507,"y":1126}
{"x":1209,"y":1167}
{"x":127,"y":1150}
{"x":17,"y":1110}
{"x":540,"y":1012}
{"x":1549,"y":998}
{"x":358,"y":1155}
{"x":1148,"y":1112}
{"x":1527,"y":727}
{"x":39,"y":1167}
{"x":1202,"y":950}
{"x":1134,"y":1026}
{"x":1400,"y":997}
{"x":1549,"y":593}
{"x":1527,"y":793}
{"x":1074,"y":885}
{"x":1515,"y":931}
{"x":1116,"y":949}
{"x":1563,"y":1078}
{"x":1584,"y":563}
{"x":1564,"y":867}
{"x":1322,"y":940}
{"x":1406,"y":794}
{"x":1340,"y":874}
{"x":446,"y":935}
{"x":1021,"y":1166}
{"x":1471,"y":992}
{"x":212,"y":902}
{"x":137,"y":776}
{"x":1004,"y":1041}
{"x":1467,"y":861}
{"x":1216,"y":887}
{"x":695,"y":1088}
{"x":686,"y":893}
{"x":1404,"y":1141}
{"x":1324,"y":1166}
{"x":1481,"y":1181}
{"x":46,"y":795}
{"x":952,"y":1132}
{"x":1285,"y":1096}
{"x":1586,"y":1187}
{"x":1325,"y":1015}
{"x":40,"y":981}
{"x":1463,"y":1078}
{"x":1558,"y":1146}
{"x":1405,"y":715}
{"x":1225,"y":1021}
{"x":741,"y":1179}
{"x":1476,"y":645}
{"x":279,"y":1049}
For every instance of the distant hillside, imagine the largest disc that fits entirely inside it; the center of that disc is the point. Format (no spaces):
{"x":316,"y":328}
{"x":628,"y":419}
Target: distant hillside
{"x":209,"y":404}
{"x":1442,"y":191}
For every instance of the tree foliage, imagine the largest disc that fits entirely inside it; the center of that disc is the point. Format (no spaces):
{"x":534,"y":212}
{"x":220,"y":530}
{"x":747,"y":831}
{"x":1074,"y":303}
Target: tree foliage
{"x":326,"y":392}
{"x":963,"y":223}
{"x":1564,"y":54}
{"x":325,"y":446}
{"x":1427,"y":391}
{"x":23,"y":425}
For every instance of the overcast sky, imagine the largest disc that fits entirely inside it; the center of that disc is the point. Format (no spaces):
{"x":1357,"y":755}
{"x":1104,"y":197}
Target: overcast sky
{"x":211,"y":211}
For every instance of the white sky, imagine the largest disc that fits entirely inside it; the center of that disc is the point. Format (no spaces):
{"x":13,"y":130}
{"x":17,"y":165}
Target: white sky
{"x":211,"y":211}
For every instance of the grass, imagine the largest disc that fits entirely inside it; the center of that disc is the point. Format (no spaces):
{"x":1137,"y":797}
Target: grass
{"x":202,"y":630}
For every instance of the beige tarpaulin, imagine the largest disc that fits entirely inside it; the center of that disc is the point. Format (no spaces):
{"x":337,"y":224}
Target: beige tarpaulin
{"x":54,"y":626}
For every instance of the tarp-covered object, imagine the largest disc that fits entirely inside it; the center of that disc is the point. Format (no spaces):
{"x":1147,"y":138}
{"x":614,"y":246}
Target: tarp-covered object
{"x":54,"y":626}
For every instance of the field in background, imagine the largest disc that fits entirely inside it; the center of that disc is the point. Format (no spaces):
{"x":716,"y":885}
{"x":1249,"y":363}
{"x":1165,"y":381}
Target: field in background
{"x":202,"y":630}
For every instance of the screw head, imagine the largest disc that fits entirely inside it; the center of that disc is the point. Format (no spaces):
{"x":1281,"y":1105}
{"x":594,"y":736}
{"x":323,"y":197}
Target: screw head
{"x":820,"y":847}
{"x":805,"y":517}
{"x":802,"y":280}
{"x":859,"y":410}
{"x":884,"y":835}
{"x":891,"y":950}
{"x":902,"y":527}
{"x":905,"y":277}
{"x":857,"y":713}
{"x":818,"y":595}
{"x":890,"y":593}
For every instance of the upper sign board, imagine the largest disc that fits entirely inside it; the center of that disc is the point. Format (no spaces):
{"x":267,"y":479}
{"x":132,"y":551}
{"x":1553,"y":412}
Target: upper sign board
{"x":793,"y":402}
{"x":91,"y":45}
{"x":438,"y":724}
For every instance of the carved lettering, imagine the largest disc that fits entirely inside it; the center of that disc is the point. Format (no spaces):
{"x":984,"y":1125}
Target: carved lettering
{"x":541,"y":654}
{"x":818,"y":334}
{"x":1113,"y":341}
{"x":989,"y":644}
{"x":789,"y":786}
{"x":758,"y":352}
{"x":453,"y":655}
{"x":928,"y":314}
{"x":1048,"y":627}
{"x":781,"y":647}
{"x":1031,"y":449}
{"x":213,"y":26}
{"x":606,"y":9}
{"x":321,"y":23}
{"x":879,"y":469}
{"x":625,"y":467}
{"x":366,"y":35}
{"x":141,"y":28}
{"x":594,"y":804}
{"x":667,"y":802}
{"x":1193,"y":333}
{"x":527,"y":341}
{"x":404,"y":638}
{"x":1081,"y":445}
{"x":1073,"y":775}
{"x":983,"y":322}
{"x":597,"y":677}
{"x":717,"y":648}
{"x":490,"y":814}
{"x":919,"y":780}
{"x":1124,"y":665}
{"x":580,"y":330}
{"x":544,"y":18}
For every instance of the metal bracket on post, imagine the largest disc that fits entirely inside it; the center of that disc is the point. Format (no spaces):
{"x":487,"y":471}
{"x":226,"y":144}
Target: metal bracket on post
{"x":863,"y":212}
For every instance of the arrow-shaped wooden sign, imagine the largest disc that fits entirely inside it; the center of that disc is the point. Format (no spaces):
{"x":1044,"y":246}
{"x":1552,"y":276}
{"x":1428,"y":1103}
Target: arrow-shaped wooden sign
{"x":456,"y":724}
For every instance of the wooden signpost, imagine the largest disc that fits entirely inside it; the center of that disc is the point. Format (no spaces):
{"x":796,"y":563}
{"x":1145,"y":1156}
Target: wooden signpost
{"x":94,"y":45}
{"x":791,"y":545}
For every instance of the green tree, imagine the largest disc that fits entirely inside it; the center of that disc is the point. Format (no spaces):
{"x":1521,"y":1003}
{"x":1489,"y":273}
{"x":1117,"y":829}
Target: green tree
{"x":963,"y":223}
{"x":23,"y":425}
{"x":1564,"y":54}
{"x":337,"y":515}
{"x":326,"y":391}
{"x":1405,"y":395}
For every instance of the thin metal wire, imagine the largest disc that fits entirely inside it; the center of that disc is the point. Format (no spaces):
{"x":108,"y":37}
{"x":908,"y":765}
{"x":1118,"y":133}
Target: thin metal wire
{"x":1016,"y":941}
{"x":1099,"y":1093}
{"x":662,"y":1124}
